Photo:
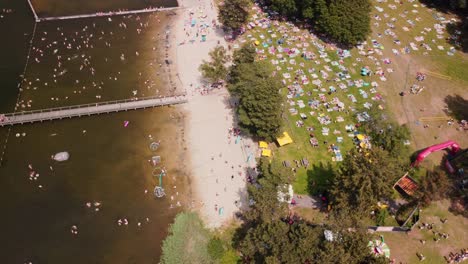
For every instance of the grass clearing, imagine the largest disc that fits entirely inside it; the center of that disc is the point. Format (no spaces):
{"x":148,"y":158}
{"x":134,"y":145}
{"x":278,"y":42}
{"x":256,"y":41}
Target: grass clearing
{"x":404,"y":247}
{"x":325,"y":78}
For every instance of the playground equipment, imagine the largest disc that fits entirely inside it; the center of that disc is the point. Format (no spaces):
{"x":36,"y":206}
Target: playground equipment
{"x":437,"y":75}
{"x":159,"y":190}
{"x":379,"y":247}
{"x":434,"y":118}
{"x":154,"y":146}
{"x":448,"y":144}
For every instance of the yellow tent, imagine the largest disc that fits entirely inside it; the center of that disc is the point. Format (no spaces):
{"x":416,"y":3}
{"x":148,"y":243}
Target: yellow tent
{"x":263,"y":144}
{"x":360,"y":136}
{"x":284,"y":140}
{"x":266,"y":152}
{"x":257,"y":43}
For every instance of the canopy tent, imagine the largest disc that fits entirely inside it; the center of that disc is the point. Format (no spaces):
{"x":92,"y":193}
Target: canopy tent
{"x":266,"y":152}
{"x":284,"y":139}
{"x":263,"y":144}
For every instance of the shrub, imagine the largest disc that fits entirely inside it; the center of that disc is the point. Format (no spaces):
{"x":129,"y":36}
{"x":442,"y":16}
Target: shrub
{"x":215,"y":248}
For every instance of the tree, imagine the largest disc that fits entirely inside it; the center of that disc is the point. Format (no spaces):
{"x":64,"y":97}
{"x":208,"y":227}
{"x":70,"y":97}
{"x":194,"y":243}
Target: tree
{"x":260,"y":103}
{"x":347,"y":247}
{"x":234,"y":13}
{"x":215,"y":248}
{"x":345,"y":21}
{"x":435,"y":186}
{"x":187,"y":241}
{"x":246,"y":54}
{"x":279,"y":242}
{"x":363,"y":179}
{"x":266,"y":207}
{"x":284,"y":7}
{"x":387,"y":134}
{"x":306,"y":8}
{"x":215,"y":70}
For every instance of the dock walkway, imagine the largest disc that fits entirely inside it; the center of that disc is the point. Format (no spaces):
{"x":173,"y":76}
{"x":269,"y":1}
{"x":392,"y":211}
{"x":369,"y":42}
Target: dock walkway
{"x":88,"y":109}
{"x":105,"y":14}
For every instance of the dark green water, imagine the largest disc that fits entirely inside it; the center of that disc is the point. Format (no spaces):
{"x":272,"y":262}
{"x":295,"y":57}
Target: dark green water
{"x":108,"y":163}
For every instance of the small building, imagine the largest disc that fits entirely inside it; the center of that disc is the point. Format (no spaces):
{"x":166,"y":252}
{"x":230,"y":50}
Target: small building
{"x":406,"y":185}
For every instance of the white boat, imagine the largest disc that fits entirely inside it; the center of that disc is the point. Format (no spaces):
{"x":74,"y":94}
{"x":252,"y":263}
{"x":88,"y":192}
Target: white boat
{"x":61,"y":156}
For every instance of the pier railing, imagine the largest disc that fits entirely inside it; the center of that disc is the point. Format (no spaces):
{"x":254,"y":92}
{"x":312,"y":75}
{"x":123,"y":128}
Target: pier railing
{"x":106,"y":14}
{"x":89,"y":109}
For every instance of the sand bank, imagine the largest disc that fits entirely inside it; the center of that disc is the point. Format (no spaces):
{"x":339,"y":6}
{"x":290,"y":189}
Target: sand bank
{"x":218,"y":159}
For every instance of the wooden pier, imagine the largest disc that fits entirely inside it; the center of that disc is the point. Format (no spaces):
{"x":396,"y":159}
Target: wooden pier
{"x":104,"y":14}
{"x":88,"y":109}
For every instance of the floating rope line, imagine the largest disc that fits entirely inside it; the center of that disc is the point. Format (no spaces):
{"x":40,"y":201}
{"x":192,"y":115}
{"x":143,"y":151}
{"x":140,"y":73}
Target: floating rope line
{"x":2,"y":156}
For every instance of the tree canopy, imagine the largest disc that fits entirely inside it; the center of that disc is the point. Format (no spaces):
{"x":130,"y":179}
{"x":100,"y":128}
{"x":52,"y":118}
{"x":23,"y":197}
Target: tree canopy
{"x":260,"y":103}
{"x":344,"y":21}
{"x":363,"y":179}
{"x":215,"y":69}
{"x":266,"y":207}
{"x":279,"y":242}
{"x":187,"y":241}
{"x":246,"y":54}
{"x":284,"y":7}
{"x":387,"y":134}
{"x":233,"y":13}
{"x":435,"y":186}
{"x":271,"y":235}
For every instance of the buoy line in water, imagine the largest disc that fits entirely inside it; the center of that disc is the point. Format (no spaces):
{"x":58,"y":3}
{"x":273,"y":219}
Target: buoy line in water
{"x":19,"y":91}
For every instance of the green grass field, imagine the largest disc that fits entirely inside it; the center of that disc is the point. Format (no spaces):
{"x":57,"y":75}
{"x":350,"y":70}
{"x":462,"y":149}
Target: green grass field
{"x":404,"y":247}
{"x":312,"y":179}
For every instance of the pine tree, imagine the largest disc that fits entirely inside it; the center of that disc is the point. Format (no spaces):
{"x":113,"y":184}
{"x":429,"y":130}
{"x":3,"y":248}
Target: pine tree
{"x":363,"y":179}
{"x":215,"y":69}
{"x":345,"y":21}
{"x":234,"y":13}
{"x":260,"y":103}
{"x":284,"y":7}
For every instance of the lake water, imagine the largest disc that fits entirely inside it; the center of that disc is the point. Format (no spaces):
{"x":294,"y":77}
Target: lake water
{"x":83,"y":61}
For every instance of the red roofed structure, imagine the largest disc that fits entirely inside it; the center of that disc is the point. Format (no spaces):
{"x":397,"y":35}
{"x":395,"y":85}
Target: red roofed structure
{"x":407,"y":185}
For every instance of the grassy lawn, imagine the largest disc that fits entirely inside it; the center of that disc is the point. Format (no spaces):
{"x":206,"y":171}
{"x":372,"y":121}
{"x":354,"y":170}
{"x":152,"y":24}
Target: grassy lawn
{"x":311,"y":215}
{"x":404,"y":247}
{"x":325,"y":67}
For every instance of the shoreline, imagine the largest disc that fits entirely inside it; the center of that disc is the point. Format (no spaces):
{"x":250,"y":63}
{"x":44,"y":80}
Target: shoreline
{"x":217,"y":160}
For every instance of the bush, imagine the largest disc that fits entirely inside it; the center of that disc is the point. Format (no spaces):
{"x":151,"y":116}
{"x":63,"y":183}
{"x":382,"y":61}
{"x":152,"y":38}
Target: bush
{"x":435,"y":186}
{"x":229,"y":257}
{"x":381,"y":216}
{"x":187,"y":241}
{"x":215,"y":248}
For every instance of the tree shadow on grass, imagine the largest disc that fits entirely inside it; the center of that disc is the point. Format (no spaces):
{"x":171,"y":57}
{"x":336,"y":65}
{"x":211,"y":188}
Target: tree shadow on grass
{"x":319,"y":178}
{"x":459,"y":34}
{"x":457,"y":107}
{"x":458,"y":30}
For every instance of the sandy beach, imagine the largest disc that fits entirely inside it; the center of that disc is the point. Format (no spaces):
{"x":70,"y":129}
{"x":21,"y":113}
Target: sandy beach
{"x":219,"y":161}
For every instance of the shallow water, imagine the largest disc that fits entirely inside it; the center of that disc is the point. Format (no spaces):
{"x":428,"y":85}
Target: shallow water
{"x":108,"y":162}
